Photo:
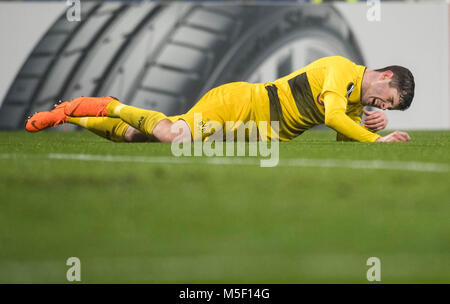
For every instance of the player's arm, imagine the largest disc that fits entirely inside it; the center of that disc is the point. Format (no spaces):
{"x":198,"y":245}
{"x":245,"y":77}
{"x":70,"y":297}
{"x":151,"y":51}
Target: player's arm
{"x":355,"y":118}
{"x":335,"y":118}
{"x":374,"y":121}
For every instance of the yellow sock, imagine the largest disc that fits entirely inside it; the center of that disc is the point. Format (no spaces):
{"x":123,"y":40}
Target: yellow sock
{"x":110,"y":128}
{"x":143,"y":120}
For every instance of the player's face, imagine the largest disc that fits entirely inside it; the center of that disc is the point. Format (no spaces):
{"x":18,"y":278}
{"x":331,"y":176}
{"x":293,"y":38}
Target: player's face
{"x":381,"y":95}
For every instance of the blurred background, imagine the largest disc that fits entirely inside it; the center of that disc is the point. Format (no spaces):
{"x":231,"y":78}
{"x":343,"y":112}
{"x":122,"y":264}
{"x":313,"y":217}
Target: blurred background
{"x":165,"y":55}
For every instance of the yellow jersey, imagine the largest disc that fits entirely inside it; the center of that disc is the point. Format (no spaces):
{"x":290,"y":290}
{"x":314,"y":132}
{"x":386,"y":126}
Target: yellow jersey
{"x":326,"y":91}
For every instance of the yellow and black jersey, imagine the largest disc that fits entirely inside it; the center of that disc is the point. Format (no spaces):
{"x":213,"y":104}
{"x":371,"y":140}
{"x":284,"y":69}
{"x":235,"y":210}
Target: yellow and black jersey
{"x":325,"y":91}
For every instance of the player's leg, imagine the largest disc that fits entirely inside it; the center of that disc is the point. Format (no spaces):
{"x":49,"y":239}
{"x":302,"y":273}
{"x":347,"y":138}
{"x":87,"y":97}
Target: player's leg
{"x":152,"y":123}
{"x":140,"y":119}
{"x":220,"y":111}
{"x":110,"y":128}
{"x":172,"y":130}
{"x":113,"y":129}
{"x":134,"y":135}
{"x":229,"y":102}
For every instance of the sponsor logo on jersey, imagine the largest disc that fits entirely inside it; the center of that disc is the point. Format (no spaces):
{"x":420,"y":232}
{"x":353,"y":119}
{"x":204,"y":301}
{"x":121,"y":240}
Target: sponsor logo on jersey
{"x":350,"y":88}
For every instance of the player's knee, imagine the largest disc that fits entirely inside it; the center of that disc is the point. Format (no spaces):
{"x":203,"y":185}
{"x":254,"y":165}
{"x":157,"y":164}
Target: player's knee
{"x":180,"y":132}
{"x":167,"y":131}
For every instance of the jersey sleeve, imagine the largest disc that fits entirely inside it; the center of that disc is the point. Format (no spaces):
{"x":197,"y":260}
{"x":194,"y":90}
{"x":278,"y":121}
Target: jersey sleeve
{"x":356,"y":116}
{"x":342,"y":137}
{"x":336,"y":119}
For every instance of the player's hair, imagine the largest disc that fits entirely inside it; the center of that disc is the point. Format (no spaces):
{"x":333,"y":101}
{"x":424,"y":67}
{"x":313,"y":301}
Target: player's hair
{"x":403,"y":81}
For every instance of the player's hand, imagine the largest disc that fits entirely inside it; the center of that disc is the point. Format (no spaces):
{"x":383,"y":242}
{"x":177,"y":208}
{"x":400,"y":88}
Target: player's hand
{"x":375,"y":120}
{"x":396,"y":136}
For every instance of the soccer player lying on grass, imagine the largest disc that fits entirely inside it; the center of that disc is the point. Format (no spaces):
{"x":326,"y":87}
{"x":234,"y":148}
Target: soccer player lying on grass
{"x":331,"y":91}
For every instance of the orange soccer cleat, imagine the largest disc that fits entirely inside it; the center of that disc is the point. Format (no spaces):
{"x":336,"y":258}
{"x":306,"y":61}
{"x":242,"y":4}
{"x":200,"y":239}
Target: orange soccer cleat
{"x":88,"y":106}
{"x":43,"y":120}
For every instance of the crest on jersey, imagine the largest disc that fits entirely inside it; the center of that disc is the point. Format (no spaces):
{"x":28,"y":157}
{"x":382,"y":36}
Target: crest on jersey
{"x":350,"y":88}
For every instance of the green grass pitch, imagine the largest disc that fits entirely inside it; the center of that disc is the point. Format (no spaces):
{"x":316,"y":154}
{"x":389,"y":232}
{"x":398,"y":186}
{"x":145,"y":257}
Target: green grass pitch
{"x":131,"y":222}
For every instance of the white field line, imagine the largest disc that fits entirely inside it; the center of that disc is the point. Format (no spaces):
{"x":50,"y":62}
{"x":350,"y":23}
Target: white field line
{"x":250,"y":161}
